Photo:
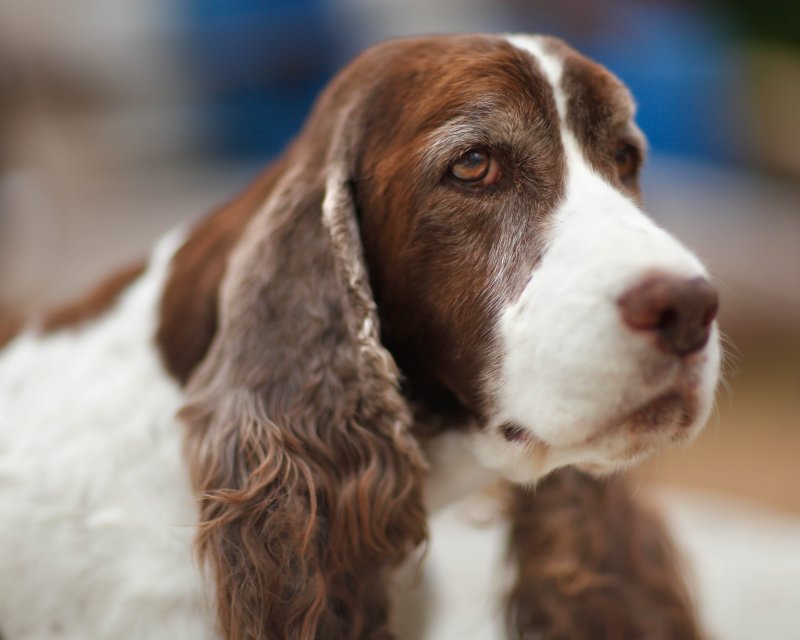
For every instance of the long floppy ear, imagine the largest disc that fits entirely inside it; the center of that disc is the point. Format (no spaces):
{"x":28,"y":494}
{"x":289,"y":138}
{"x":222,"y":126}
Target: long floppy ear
{"x":297,"y":435}
{"x":592,"y":563}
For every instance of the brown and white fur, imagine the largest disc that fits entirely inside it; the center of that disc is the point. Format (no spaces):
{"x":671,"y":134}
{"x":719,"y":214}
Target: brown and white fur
{"x":238,"y":439}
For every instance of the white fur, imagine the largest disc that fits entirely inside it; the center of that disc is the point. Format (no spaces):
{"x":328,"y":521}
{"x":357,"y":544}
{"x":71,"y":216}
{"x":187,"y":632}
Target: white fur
{"x":571,"y":372}
{"x":95,"y":504}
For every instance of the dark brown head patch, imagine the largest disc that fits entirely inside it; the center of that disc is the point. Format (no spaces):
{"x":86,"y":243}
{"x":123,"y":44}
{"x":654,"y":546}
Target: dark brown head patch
{"x":444,"y":258}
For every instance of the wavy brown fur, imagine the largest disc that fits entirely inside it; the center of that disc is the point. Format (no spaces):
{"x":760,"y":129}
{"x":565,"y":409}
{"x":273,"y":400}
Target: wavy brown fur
{"x":298,"y":437}
{"x":593,"y":563}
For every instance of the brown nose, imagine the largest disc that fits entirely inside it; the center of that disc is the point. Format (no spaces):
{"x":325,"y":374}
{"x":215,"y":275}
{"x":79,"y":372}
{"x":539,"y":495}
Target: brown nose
{"x":677,"y":311}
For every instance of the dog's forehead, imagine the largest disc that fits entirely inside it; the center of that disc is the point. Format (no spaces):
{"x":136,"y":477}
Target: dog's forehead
{"x":417,"y":84}
{"x":585,"y":90}
{"x":425,"y":82}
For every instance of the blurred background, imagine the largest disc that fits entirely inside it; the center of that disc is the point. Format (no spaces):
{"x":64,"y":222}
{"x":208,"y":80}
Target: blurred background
{"x":122,"y":118}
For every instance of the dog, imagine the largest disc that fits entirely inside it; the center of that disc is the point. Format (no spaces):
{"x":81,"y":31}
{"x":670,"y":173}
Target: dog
{"x":447,"y":278}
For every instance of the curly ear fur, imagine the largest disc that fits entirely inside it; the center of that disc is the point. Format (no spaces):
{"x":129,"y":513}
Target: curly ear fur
{"x":297,"y":435}
{"x":593,"y":563}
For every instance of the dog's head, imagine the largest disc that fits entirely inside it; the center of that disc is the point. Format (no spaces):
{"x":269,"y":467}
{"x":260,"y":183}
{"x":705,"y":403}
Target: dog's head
{"x":467,"y":207}
{"x":485,"y":189}
{"x":496,"y":184}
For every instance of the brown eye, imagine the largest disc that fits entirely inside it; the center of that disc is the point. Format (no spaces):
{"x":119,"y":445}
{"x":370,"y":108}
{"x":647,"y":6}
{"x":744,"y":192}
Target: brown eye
{"x":626,"y":158}
{"x":476,"y":167}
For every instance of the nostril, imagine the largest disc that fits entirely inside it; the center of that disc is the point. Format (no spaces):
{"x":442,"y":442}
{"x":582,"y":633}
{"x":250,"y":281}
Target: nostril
{"x":668,"y":318}
{"x":678,"y":312}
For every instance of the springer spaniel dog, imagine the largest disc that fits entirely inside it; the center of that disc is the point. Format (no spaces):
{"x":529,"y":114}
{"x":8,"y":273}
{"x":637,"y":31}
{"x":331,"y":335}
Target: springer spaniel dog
{"x":446,"y":279}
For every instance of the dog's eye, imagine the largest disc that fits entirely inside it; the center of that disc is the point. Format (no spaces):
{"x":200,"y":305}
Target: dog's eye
{"x":476,"y":167}
{"x":627,"y":159}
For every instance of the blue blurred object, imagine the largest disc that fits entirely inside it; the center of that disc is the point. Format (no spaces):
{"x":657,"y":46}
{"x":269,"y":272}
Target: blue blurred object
{"x":259,"y":65}
{"x":684,"y":76}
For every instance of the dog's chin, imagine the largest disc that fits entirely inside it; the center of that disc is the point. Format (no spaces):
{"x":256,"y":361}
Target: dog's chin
{"x":616,"y":443}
